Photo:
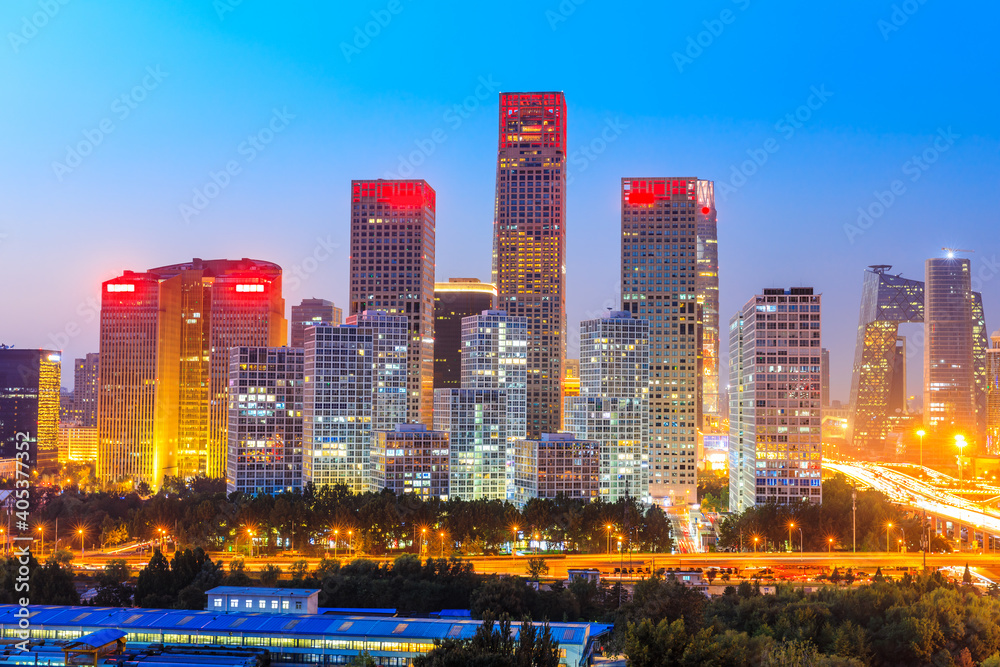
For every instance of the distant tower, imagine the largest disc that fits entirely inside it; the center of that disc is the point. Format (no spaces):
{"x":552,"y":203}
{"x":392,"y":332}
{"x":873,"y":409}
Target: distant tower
{"x":85,"y":379}
{"x":454,"y":300}
{"x":824,"y":377}
{"x":529,"y":241}
{"x":392,"y":270}
{"x":993,"y":396}
{"x":310,"y":312}
{"x":29,"y":405}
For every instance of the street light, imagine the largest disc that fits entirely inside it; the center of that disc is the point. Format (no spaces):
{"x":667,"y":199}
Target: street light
{"x":250,"y":538}
{"x":960,"y":443}
{"x":888,"y":527}
{"x":442,"y":544}
{"x":790,"y":526}
{"x":81,"y":533}
{"x":423,"y":535}
{"x":755,"y":540}
{"x":41,"y":532}
{"x":920,"y":434}
{"x":609,"y":527}
{"x":336,"y":542}
{"x":537,"y":538}
{"x":350,"y":543}
{"x":829,"y":542}
{"x":513,"y":545}
{"x":900,"y":545}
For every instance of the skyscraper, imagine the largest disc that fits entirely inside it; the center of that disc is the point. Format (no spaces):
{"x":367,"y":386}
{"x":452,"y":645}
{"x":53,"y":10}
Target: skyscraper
{"x":775,"y":442}
{"x":454,"y":300}
{"x":29,"y":404}
{"x":949,"y":373}
{"x":411,"y":459}
{"x":392,"y":270}
{"x":137,"y":403}
{"x":707,"y":294}
{"x":266,"y":404}
{"x":613,"y":405}
{"x":529,"y":240}
{"x":355,"y":383}
{"x":661,"y":221}
{"x":993,"y":396}
{"x":168,"y":333}
{"x":310,"y":312}
{"x":85,"y":378}
{"x":824,"y":364}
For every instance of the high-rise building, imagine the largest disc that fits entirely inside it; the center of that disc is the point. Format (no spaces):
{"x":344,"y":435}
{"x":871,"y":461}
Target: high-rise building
{"x":494,"y":356}
{"x":571,"y":377}
{"x":85,"y":378}
{"x":355,"y":383}
{"x":707,"y":295}
{"x":29,"y":404}
{"x":824,"y":382}
{"x":137,"y":403}
{"x":266,"y":405}
{"x":949,"y":373}
{"x":529,"y":241}
{"x":310,"y":312}
{"x":411,"y":459}
{"x":993,"y":396}
{"x":878,"y":381}
{"x":165,"y":393}
{"x":453,"y":300}
{"x":664,"y":222}
{"x":775,"y":441}
{"x":476,"y":421}
{"x":392,"y":270}
{"x":565,"y":465}
{"x":77,"y":443}
{"x":613,"y":405}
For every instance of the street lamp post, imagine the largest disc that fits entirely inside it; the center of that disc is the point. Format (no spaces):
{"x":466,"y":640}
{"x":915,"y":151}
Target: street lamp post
{"x":829,"y":545}
{"x":513,"y":545}
{"x":442,"y":544}
{"x":82,"y":551}
{"x":537,"y":545}
{"x":350,"y":543}
{"x":888,"y":527}
{"x":336,"y":542}
{"x":41,"y":532}
{"x":608,"y":527}
{"x":423,"y":539}
{"x":920,"y":434}
{"x":790,"y":526}
{"x":755,"y":540}
{"x":902,"y":542}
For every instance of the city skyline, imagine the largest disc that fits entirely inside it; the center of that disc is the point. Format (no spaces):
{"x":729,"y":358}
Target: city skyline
{"x":156,"y":157}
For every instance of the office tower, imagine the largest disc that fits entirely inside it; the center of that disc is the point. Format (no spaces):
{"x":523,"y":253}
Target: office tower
{"x":170,"y":330}
{"x":476,"y":421}
{"x":67,"y":406}
{"x":707,"y":295}
{"x":392,"y":270}
{"x":310,"y":312}
{"x":453,"y":300}
{"x":613,"y":405}
{"x":897,"y":388}
{"x":775,"y":443}
{"x":824,"y":364}
{"x":529,"y":240}
{"x":411,"y":459}
{"x":993,"y":396}
{"x":564,"y":465}
{"x":571,"y":378}
{"x":29,"y":404}
{"x":137,"y":403}
{"x":85,"y":377}
{"x":660,"y":218}
{"x":266,"y":405}
{"x":77,"y":443}
{"x":887,"y":301}
{"x":949,"y":375}
{"x":494,"y":356}
{"x":355,"y":383}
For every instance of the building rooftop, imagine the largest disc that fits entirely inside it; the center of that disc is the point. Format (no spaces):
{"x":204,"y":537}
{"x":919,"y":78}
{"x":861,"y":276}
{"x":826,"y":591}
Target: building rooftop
{"x":255,"y":590}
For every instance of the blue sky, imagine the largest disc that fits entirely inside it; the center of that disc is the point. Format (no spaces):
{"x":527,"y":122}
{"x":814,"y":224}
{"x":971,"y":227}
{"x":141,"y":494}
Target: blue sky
{"x":161,"y":96}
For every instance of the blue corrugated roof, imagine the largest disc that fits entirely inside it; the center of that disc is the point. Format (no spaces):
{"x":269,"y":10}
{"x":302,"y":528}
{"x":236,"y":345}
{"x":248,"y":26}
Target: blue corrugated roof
{"x":357,"y":611}
{"x":253,"y":590}
{"x":100,"y":638}
{"x":172,"y":621}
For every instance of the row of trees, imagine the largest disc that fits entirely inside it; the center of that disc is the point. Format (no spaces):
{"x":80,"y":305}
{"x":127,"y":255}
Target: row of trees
{"x":200,"y":514}
{"x":812,"y":527}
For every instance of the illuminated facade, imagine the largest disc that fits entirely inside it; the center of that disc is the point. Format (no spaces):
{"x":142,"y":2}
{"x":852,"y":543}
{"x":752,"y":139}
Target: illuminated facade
{"x":29,"y":404}
{"x":954,"y":336}
{"x":613,"y":405}
{"x":311,"y":312}
{"x":77,"y":443}
{"x":392,"y":270}
{"x":667,"y":229}
{"x":529,"y":240}
{"x":993,"y":396}
{"x":411,"y":459}
{"x":476,"y":421}
{"x":266,"y":403}
{"x":137,"y":403}
{"x":355,"y":383}
{"x":85,"y":378}
{"x":775,"y":440}
{"x":565,"y":465}
{"x":571,"y":378}
{"x":707,"y":295}
{"x":453,"y":300}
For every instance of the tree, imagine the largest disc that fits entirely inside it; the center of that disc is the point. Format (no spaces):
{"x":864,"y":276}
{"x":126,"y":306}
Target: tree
{"x":237,"y":573}
{"x":493,"y":645}
{"x":53,"y":584}
{"x":537,"y":568}
{"x":299,"y":570}
{"x":269,"y":575}
{"x":967,"y":576}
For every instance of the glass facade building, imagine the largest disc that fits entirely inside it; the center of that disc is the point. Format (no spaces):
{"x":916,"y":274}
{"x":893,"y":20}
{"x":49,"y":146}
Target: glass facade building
{"x":411,"y":459}
{"x":310,"y":312}
{"x":29,"y":404}
{"x":454,"y":300}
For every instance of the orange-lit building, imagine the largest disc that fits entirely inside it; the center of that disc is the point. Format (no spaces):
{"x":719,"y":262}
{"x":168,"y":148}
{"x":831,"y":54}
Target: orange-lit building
{"x":392,"y":270}
{"x":571,"y":378}
{"x":29,"y":404}
{"x":529,"y":241}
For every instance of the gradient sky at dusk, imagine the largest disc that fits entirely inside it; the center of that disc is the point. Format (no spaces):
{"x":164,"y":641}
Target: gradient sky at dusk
{"x":222,"y":69}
